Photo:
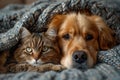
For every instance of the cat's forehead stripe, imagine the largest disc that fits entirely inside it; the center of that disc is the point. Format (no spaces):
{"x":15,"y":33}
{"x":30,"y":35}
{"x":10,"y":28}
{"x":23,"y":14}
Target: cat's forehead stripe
{"x":34,"y":41}
{"x":37,"y":41}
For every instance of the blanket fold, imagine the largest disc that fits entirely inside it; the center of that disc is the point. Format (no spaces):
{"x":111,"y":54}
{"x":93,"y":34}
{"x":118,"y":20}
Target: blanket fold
{"x":36,"y":17}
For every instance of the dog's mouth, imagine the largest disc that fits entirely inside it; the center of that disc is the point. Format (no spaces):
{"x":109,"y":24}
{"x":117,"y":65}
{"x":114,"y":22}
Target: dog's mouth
{"x":82,"y":66}
{"x":79,"y":59}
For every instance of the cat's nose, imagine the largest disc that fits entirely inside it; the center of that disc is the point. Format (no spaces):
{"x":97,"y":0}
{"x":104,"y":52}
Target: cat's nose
{"x":36,"y":61}
{"x":36,"y":57}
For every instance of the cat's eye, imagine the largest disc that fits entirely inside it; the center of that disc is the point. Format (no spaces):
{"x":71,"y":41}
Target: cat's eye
{"x":28,"y":50}
{"x":45,"y":48}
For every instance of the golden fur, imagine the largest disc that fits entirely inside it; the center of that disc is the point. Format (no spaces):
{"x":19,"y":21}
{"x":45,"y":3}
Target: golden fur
{"x":79,"y":33}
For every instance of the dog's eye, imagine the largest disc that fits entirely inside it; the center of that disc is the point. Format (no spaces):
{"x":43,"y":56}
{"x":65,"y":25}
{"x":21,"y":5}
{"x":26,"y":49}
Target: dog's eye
{"x":66,"y":36}
{"x":89,"y":37}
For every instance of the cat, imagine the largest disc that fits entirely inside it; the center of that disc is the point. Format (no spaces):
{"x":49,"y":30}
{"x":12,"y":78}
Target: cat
{"x":3,"y":59}
{"x":36,"y":52}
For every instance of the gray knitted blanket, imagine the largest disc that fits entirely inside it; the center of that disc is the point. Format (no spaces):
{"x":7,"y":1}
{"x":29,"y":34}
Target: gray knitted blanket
{"x":36,"y":16}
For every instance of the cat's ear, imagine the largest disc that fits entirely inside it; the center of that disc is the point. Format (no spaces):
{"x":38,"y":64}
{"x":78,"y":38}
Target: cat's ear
{"x":24,"y":32}
{"x":51,"y":34}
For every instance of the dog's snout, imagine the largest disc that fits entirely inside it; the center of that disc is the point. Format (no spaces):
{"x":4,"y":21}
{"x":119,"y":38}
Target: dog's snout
{"x":79,"y":56}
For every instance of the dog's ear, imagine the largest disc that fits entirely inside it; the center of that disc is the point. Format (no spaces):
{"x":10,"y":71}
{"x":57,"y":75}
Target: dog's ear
{"x":106,"y":35}
{"x":24,"y":32}
{"x":54,"y":26}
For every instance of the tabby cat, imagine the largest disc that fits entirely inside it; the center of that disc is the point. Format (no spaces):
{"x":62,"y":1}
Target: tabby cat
{"x":36,"y":52}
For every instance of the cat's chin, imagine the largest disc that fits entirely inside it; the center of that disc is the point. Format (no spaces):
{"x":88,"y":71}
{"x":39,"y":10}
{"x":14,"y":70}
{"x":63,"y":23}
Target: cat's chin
{"x":36,"y":64}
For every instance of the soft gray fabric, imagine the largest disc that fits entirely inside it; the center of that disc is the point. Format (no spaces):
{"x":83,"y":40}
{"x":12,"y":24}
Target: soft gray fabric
{"x":36,"y":16}
{"x":101,"y":72}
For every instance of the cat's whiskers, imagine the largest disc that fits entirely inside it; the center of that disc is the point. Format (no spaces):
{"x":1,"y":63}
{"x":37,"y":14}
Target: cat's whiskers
{"x":35,"y":62}
{"x":39,"y":61}
{"x":32,"y":61}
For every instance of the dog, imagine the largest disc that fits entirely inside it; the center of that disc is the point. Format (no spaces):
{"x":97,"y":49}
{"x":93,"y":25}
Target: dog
{"x":80,"y":37}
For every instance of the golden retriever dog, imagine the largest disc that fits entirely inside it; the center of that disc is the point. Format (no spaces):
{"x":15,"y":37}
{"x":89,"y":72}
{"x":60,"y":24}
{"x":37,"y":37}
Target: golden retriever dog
{"x":80,"y":37}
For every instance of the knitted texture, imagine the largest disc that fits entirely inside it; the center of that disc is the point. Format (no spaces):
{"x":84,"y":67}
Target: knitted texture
{"x":36,"y":16}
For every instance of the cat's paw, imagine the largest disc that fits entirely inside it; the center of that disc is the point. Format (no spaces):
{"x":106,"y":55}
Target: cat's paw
{"x":58,"y":67}
{"x":46,"y":67}
{"x":10,"y":68}
{"x":53,"y":67}
{"x":16,"y":68}
{"x":2,"y":70}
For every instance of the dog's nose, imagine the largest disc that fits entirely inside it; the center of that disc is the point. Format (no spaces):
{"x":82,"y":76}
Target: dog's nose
{"x":79,"y":56}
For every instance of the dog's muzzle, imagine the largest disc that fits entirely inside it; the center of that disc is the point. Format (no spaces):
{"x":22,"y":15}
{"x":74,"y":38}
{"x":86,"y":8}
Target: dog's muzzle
{"x":79,"y":59}
{"x":79,"y":56}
